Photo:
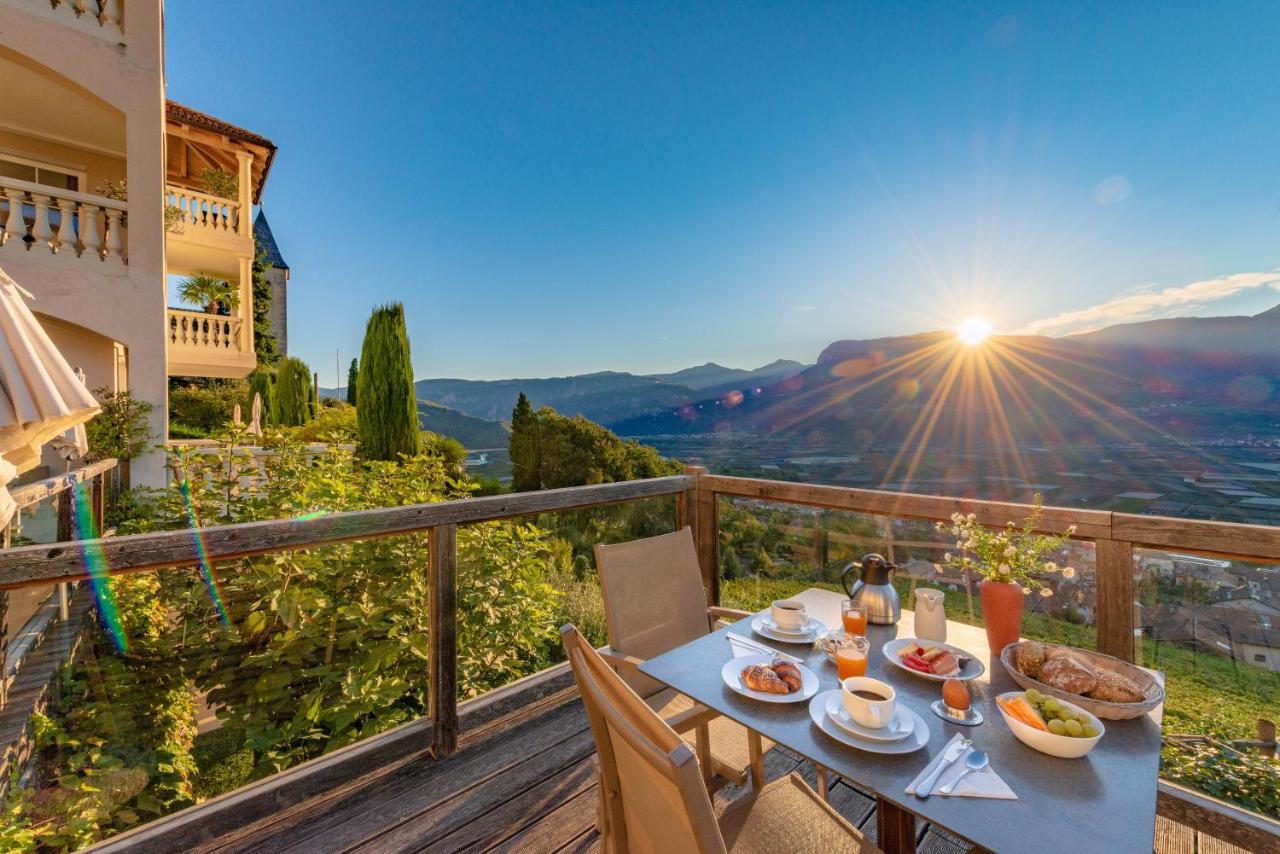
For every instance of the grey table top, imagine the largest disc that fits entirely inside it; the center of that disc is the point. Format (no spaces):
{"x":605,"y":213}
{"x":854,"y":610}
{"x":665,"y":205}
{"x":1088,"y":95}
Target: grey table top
{"x":1105,"y":801}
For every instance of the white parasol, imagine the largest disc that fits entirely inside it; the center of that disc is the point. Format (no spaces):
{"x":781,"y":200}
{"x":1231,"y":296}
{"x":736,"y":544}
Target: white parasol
{"x":255,"y":424}
{"x":235,"y":416}
{"x":40,"y":396}
{"x":73,"y":444}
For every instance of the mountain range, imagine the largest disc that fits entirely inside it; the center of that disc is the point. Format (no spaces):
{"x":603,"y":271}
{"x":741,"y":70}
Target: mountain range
{"x":1187,"y":377}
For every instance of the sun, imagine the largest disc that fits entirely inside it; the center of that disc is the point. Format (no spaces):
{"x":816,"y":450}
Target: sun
{"x":973,"y":330}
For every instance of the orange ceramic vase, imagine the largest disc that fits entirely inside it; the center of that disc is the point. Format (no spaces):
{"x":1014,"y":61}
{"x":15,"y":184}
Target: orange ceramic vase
{"x":1002,"y":612}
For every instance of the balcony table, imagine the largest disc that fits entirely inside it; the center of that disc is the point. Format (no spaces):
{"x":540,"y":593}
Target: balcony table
{"x":1103,"y":802}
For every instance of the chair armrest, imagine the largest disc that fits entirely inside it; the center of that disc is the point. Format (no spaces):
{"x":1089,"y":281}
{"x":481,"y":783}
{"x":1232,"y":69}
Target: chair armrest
{"x":691,"y":718}
{"x":716,"y":614}
{"x":622,"y":661}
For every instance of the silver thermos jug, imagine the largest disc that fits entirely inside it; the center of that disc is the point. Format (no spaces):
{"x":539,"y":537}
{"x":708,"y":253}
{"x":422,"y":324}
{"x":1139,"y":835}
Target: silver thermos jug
{"x":872,"y":589}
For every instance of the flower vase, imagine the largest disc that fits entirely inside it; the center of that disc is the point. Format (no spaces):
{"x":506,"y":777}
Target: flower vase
{"x":1002,"y":604}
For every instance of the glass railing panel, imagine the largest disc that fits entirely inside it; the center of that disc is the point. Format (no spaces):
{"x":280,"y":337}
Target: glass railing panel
{"x":1212,"y":627}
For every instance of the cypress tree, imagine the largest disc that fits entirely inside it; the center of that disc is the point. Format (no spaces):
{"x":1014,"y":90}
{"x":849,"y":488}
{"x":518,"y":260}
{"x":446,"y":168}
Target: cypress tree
{"x":353,"y":379}
{"x":293,"y":392}
{"x":386,"y":406}
{"x":525,"y":447}
{"x":262,"y":382}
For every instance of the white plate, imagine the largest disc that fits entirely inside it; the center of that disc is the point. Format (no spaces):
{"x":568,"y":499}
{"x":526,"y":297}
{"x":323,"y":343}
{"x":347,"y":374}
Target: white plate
{"x":809,"y":635}
{"x":732,"y":675}
{"x":899,"y":728}
{"x":818,"y":714}
{"x":772,"y":624}
{"x":972,"y":670}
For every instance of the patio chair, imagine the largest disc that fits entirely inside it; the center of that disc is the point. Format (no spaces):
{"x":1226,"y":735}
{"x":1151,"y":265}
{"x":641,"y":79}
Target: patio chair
{"x":652,"y":796}
{"x":654,"y":602}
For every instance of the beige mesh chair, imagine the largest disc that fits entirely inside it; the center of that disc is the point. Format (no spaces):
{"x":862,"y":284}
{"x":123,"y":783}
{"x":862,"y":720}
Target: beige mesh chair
{"x":654,"y":602}
{"x":652,"y":797}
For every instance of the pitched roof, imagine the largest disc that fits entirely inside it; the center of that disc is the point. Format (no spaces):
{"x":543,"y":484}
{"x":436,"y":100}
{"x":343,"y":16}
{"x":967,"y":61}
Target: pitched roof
{"x":263,"y":148}
{"x":267,"y":241}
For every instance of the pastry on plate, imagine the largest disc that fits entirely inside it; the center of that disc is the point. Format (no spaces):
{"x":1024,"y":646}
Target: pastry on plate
{"x":1068,"y":673}
{"x":758,"y":677}
{"x":788,"y":673}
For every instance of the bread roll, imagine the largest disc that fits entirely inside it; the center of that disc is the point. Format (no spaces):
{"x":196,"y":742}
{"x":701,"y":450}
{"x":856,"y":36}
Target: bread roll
{"x":1114,"y":688}
{"x":1028,"y":657}
{"x":1068,"y":673}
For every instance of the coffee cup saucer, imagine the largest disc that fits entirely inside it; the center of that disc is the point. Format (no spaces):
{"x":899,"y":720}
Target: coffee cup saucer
{"x":899,"y":728}
{"x":762,"y":625}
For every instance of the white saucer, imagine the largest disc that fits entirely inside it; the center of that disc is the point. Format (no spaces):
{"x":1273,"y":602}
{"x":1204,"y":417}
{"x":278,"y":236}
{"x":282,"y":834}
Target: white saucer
{"x":762,"y":626}
{"x":731,"y":673}
{"x":818,"y":714}
{"x":899,"y":728}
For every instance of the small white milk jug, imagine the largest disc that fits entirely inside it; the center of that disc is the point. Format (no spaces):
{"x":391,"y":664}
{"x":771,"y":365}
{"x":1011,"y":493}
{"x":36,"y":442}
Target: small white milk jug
{"x":931,"y":614}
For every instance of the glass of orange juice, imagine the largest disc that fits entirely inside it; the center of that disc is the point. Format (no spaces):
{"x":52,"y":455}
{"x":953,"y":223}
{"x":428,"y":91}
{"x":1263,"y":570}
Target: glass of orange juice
{"x":851,"y":656}
{"x":854,"y":617}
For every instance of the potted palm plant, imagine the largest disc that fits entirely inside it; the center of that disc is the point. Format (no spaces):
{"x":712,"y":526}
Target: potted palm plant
{"x":210,"y":292}
{"x":1012,"y":562}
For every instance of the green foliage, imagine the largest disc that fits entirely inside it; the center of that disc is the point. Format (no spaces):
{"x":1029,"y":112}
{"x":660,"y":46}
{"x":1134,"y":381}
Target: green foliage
{"x":265,"y":345}
{"x":206,"y":407}
{"x":575,"y":451}
{"x":222,"y":762}
{"x":121,"y":429}
{"x":220,"y":183}
{"x":1248,"y":779}
{"x":353,"y":380}
{"x":291,"y":400}
{"x":385,"y":396}
{"x":262,"y":382}
{"x":1014,"y":554}
{"x":214,"y":295}
{"x":450,"y":450}
{"x":334,"y":423}
{"x":523,"y":445}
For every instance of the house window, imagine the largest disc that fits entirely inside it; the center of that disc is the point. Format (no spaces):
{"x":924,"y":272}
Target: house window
{"x":25,"y":169}
{"x":1257,"y":656}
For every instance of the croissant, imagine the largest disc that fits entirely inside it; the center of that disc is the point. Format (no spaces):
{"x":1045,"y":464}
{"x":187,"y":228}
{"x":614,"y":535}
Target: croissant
{"x":788,"y":673}
{"x":757,"y":677}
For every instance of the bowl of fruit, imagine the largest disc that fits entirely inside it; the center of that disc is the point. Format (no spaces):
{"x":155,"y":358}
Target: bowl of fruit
{"x":1050,"y":725}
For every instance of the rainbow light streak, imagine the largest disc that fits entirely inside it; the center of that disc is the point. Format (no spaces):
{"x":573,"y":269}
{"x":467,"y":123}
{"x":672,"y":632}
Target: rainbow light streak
{"x":95,"y":564}
{"x":202,"y":554}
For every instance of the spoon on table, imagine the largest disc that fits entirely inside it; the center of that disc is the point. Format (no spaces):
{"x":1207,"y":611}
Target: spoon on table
{"x":976,"y":762}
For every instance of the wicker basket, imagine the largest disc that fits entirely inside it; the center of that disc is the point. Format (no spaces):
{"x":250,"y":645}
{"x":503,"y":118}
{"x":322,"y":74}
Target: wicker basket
{"x":1151,"y":688}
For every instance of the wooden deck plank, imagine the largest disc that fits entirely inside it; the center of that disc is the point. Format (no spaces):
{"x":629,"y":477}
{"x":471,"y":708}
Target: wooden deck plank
{"x":569,"y":827}
{"x":531,"y":820}
{"x":1210,"y":845}
{"x":1173,"y":838}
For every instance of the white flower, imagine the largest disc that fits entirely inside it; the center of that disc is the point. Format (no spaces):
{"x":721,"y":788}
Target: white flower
{"x":937,"y":568}
{"x":945,"y":557}
{"x":1046,"y":592}
{"x":973,"y":517}
{"x":1004,"y":569}
{"x":1071,"y":529}
{"x":1068,"y":572}
{"x":1050,"y":566}
{"x":1026,"y":591}
{"x":960,"y":544}
{"x":1010,"y":551}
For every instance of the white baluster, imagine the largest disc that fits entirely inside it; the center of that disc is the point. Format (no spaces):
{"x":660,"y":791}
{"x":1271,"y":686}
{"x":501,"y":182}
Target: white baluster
{"x":41,"y":232}
{"x":77,"y":6}
{"x":66,"y":226}
{"x":90,"y":234}
{"x":115,"y":243}
{"x":15,"y":227}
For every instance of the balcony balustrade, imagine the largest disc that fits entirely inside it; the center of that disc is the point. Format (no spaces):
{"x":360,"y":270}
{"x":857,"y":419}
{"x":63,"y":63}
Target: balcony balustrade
{"x":206,"y":233}
{"x":36,"y":217}
{"x":102,"y":17}
{"x":202,"y":344}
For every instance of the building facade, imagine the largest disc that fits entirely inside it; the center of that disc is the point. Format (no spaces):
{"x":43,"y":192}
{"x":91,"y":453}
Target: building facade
{"x":107,"y":190}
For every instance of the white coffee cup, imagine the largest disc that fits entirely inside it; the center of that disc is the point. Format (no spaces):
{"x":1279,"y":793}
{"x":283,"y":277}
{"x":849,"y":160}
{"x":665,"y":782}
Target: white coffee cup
{"x":865,"y":711}
{"x":789,"y":614}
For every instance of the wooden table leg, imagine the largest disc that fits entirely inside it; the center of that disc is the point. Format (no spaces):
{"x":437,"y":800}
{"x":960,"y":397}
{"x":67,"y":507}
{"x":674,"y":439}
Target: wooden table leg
{"x":823,"y":783}
{"x":895,"y":828}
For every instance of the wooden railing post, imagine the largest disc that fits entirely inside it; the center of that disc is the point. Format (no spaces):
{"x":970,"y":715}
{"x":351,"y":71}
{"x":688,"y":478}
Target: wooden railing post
{"x":706,"y":534}
{"x":443,"y":612}
{"x":5,"y":539}
{"x":1114,"y":612}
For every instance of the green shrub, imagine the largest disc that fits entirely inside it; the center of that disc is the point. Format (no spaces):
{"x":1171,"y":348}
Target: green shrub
{"x":385,"y":395}
{"x":261,"y":382}
{"x":223,"y":763}
{"x":332,"y":422}
{"x":182,"y":431}
{"x":121,"y":429}
{"x":291,"y":403}
{"x":205,"y":407}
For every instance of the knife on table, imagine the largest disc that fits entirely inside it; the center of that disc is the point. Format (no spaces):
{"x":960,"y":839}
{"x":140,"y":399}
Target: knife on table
{"x":950,"y":755}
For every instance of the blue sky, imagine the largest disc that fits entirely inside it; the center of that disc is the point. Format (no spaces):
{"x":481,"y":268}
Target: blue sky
{"x":561,"y":188}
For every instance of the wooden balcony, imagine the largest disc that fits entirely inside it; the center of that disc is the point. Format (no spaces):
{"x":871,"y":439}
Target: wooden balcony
{"x":511,"y":769}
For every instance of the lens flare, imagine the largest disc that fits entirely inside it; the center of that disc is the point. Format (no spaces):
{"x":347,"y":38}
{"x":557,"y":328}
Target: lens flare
{"x":95,"y":564}
{"x":973,"y":330}
{"x":202,"y":553}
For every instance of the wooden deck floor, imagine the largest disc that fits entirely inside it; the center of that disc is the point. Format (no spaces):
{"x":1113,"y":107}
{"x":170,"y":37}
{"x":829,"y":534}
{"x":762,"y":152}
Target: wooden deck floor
{"x":522,"y":781}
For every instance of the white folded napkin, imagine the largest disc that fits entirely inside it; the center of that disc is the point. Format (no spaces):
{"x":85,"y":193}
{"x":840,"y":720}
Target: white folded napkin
{"x":741,"y":647}
{"x":976,"y":784}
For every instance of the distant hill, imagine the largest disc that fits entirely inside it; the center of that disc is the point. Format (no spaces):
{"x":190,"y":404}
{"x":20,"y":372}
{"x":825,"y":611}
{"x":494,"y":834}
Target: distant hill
{"x":713,"y":376}
{"x":1190,"y":378}
{"x":472,"y":432}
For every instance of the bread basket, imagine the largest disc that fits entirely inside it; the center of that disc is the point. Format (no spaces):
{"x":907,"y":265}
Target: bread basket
{"x":1147,"y":684}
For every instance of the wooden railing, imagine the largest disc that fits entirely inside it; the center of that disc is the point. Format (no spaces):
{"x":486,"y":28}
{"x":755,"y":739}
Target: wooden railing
{"x":63,"y":222}
{"x":696,"y":493}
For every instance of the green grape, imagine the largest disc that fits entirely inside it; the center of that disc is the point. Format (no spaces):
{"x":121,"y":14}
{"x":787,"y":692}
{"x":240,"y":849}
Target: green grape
{"x":1073,"y":728}
{"x":1034,"y":696}
{"x":1089,"y":730}
{"x":1051,"y":705}
{"x":1081,"y":717}
{"x":1057,"y":727}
